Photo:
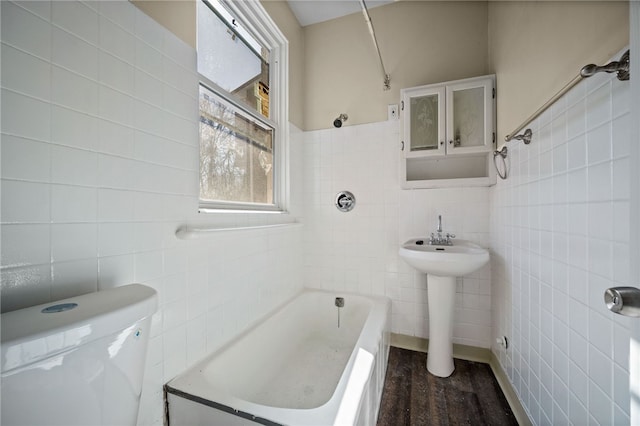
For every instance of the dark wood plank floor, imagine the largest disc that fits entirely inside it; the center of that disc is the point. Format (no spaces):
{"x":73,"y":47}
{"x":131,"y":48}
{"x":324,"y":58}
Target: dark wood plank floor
{"x":413,"y":396}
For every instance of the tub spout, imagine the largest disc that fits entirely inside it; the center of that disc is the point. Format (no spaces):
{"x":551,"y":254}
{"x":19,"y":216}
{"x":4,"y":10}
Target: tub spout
{"x":339,"y":304}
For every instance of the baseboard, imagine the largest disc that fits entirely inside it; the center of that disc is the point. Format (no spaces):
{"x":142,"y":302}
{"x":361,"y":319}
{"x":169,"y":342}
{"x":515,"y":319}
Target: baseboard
{"x":507,"y":389}
{"x":472,"y":353}
{"x":418,"y":344}
{"x":409,"y":342}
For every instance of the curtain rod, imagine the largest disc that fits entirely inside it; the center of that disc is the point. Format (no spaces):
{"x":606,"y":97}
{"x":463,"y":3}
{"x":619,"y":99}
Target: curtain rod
{"x":387,"y":77}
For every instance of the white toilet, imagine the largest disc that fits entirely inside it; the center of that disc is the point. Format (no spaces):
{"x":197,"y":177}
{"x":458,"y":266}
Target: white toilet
{"x":78,"y":361}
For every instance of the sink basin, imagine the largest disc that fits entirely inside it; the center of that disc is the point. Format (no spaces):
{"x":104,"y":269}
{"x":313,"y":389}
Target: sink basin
{"x":462,"y":258}
{"x":442,"y":264}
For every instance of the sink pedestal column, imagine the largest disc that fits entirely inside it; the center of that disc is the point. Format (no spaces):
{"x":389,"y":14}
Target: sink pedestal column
{"x":441,"y":293}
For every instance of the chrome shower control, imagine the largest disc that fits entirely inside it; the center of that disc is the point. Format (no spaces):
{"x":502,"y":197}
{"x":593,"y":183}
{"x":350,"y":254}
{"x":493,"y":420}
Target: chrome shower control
{"x":345,"y":201}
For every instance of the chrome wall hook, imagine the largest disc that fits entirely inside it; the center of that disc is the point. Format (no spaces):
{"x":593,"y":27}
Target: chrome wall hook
{"x":623,"y":300}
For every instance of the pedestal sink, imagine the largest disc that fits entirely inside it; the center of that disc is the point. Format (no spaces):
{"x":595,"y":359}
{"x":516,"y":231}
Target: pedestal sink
{"x":442,"y":264}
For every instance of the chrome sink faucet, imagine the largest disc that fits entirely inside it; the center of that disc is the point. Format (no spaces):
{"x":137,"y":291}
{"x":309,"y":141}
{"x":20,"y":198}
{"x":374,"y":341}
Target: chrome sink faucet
{"x":439,"y":239}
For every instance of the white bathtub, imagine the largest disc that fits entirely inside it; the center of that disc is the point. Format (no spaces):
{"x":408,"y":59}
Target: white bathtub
{"x":296,"y":367}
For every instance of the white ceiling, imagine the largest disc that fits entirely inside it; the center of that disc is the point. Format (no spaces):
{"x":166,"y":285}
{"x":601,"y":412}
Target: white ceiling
{"x":313,"y":11}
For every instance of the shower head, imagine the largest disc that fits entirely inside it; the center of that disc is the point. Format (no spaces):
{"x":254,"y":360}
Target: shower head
{"x":341,"y":119}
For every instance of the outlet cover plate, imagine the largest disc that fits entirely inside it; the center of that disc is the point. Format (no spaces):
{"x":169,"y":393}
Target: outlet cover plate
{"x":392,"y":112}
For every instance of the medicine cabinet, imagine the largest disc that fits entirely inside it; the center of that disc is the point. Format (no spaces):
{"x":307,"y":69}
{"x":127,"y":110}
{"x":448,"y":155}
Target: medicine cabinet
{"x":448,"y":133}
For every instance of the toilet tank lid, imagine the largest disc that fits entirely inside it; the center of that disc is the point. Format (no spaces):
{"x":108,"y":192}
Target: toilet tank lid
{"x":37,"y":332}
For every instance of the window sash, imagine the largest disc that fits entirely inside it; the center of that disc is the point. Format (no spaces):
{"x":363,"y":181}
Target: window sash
{"x":232,"y":132}
{"x":235,"y":31}
{"x":237,"y":103}
{"x":260,"y":25}
{"x":228,"y":58}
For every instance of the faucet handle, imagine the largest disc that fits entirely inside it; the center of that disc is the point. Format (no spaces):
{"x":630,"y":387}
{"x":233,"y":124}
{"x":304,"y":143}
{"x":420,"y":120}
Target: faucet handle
{"x":449,"y":237}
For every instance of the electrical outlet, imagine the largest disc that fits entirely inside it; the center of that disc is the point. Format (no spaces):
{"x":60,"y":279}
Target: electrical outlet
{"x":503,"y":341}
{"x":392,"y":112}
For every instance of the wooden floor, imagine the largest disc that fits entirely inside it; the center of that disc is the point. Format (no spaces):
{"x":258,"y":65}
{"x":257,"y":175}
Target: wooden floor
{"x":413,"y":396}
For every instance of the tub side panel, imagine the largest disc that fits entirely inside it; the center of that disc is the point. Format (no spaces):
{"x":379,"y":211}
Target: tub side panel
{"x":380,"y":317}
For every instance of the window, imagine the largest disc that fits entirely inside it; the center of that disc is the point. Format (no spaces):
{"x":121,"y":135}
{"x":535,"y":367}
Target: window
{"x":243,"y":108}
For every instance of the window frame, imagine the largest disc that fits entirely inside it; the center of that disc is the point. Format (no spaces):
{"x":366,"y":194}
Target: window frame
{"x":255,"y":19}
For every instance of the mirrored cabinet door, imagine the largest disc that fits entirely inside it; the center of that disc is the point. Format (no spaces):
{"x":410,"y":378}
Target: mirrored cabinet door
{"x":426,"y":112}
{"x":454,"y":117}
{"x":426,"y":124}
{"x":470,"y":115}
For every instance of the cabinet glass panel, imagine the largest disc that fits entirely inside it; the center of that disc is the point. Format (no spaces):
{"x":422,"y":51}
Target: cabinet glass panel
{"x":424,"y":123}
{"x":468,"y":117}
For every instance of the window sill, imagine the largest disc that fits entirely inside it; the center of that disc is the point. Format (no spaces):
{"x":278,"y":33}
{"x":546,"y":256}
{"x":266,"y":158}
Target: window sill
{"x":237,"y":211}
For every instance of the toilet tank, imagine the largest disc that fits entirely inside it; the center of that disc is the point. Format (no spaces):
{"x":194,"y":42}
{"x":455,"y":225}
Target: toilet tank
{"x":78,"y":361}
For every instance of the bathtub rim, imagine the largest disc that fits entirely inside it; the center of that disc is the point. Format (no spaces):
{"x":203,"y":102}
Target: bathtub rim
{"x":378,"y":319}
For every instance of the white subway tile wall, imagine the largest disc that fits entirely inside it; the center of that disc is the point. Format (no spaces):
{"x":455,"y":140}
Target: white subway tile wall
{"x":559,"y":238}
{"x":99,"y":157}
{"x":358,"y":251}
{"x":100,"y":166}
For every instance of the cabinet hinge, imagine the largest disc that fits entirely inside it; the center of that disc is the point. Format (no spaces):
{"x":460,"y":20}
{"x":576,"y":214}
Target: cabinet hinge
{"x":493,"y":92}
{"x":402,"y":106}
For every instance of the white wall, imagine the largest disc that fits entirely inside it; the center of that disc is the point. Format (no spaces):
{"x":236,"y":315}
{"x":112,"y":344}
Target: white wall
{"x":100,"y":166}
{"x":559,"y":238}
{"x":358,"y":251}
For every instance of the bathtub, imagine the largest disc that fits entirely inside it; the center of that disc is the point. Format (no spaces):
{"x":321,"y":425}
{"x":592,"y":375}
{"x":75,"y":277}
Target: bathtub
{"x":295,"y":367}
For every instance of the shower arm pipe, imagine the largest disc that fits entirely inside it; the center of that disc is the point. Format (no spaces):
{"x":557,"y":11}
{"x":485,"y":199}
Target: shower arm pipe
{"x":387,"y":77}
{"x":620,"y":67}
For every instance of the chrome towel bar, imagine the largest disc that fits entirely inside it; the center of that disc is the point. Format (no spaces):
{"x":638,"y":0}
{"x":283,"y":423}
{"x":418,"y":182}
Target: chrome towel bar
{"x":544,"y":107}
{"x":620,"y":67}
